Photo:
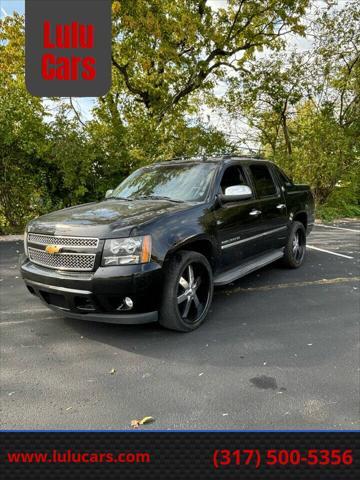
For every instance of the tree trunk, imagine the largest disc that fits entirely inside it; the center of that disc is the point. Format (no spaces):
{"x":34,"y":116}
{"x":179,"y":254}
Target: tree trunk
{"x":286,"y":135}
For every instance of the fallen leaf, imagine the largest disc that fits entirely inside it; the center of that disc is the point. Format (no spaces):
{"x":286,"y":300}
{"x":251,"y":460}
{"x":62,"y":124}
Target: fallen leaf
{"x":136,"y":423}
{"x":68,"y":408}
{"x":145,"y":420}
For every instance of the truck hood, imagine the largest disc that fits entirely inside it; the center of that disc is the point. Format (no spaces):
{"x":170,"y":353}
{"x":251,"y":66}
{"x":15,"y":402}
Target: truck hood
{"x":103,"y":219}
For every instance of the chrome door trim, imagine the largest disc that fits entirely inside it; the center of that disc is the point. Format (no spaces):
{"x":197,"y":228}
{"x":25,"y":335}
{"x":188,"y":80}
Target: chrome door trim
{"x":269,"y":232}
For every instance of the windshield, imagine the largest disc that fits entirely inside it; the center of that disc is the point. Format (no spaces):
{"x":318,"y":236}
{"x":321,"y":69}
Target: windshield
{"x":174,"y":182}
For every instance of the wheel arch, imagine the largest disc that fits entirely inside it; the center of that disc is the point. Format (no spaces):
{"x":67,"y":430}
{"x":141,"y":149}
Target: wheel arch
{"x":199,"y":244}
{"x":301,"y":217}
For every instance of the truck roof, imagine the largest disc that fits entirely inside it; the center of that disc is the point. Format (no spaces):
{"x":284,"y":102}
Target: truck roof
{"x":228,"y":158}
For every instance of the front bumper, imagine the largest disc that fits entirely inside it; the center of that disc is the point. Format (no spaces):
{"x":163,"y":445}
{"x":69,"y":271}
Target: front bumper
{"x":98,"y":296}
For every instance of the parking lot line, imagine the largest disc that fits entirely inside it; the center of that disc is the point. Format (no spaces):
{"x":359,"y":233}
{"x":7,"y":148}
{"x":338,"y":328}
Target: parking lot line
{"x":338,"y":228}
{"x":328,"y":251}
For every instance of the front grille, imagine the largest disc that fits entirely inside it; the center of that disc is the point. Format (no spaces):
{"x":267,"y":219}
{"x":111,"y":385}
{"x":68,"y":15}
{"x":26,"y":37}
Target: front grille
{"x":41,"y":239}
{"x":63,"y":261}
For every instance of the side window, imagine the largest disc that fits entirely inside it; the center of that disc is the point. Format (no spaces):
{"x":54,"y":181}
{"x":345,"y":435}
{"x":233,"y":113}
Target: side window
{"x":284,"y":178}
{"x":263,"y":181}
{"x":232,"y":176}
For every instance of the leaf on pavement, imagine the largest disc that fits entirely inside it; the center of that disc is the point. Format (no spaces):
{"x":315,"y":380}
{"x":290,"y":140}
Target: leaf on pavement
{"x":136,"y":423}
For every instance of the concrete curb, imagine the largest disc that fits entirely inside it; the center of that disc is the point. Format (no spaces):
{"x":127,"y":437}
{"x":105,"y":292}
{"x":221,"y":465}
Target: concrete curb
{"x":11,"y":238}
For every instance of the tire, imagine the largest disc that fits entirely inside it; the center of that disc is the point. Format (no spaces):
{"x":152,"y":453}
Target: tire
{"x":295,"y":248}
{"x":188,"y":291}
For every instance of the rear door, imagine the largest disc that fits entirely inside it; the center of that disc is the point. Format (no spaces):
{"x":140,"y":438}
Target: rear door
{"x":272,"y":205}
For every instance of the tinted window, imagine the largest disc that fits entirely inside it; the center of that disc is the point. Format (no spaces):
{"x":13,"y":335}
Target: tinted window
{"x":286,"y":180}
{"x":263,"y":181}
{"x":232,"y":176}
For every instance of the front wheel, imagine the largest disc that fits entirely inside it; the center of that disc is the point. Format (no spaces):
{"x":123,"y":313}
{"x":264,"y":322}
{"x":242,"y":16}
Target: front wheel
{"x":295,"y":248}
{"x":188,"y":291}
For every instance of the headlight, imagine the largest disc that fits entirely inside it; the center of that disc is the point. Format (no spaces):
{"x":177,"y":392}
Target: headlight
{"x":25,"y":243}
{"x":125,"y":251}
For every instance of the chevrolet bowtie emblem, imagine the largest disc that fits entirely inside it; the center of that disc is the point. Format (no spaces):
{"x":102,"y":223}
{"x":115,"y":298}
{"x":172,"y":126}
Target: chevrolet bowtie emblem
{"x":52,"y":249}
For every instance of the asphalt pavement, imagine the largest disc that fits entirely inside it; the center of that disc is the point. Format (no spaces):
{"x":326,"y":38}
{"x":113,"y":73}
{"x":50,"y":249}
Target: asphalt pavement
{"x":279,"y":351}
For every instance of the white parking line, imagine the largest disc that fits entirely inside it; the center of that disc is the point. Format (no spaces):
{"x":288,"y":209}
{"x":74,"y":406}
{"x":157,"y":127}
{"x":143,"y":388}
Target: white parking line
{"x":338,"y":228}
{"x":31,"y":310}
{"x":17,"y":322}
{"x":328,"y":251}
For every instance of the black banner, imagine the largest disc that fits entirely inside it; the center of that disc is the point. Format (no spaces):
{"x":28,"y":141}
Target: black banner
{"x":190,"y":455}
{"x":68,"y":47}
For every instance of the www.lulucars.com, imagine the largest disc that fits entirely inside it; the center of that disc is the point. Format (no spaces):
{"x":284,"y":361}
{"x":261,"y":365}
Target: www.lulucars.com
{"x":69,"y":456}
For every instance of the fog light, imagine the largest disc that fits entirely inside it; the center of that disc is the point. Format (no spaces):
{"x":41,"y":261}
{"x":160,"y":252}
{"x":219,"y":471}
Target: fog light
{"x":128,"y":302}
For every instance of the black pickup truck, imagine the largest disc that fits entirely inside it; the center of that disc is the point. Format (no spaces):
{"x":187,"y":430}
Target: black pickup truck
{"x":157,"y":245}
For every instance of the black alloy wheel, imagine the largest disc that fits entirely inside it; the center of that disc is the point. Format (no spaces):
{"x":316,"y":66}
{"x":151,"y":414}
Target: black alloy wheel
{"x":193,"y":292}
{"x":298,"y":246}
{"x":295,"y":249}
{"x":188,"y":291}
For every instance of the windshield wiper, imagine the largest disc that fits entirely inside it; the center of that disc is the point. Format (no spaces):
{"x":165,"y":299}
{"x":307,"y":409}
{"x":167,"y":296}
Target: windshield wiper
{"x":158,"y":197}
{"x":120,"y":198}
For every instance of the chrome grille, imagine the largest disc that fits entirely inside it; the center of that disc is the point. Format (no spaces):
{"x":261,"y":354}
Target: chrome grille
{"x":41,"y":239}
{"x":63,"y":261}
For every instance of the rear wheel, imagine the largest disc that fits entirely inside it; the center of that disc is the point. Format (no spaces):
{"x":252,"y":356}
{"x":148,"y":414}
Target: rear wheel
{"x":295,"y":249}
{"x":188,"y":291}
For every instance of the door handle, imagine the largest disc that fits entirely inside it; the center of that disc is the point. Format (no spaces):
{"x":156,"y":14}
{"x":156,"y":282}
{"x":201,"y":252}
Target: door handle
{"x":281,"y":206}
{"x":255,"y":213}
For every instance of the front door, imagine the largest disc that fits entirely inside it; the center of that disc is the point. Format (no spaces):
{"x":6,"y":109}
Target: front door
{"x":272,"y":206}
{"x":237,"y":222}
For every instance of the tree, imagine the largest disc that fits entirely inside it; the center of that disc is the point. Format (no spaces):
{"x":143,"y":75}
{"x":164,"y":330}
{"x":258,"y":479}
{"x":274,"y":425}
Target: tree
{"x":51,"y":159}
{"x":304,"y":107}
{"x":164,"y":50}
{"x":22,"y":131}
{"x":267,"y":94}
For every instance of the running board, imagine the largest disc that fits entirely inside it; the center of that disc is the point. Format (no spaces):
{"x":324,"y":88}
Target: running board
{"x":248,"y":267}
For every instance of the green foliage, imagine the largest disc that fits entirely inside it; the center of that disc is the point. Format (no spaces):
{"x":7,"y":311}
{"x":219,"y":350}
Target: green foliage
{"x":167,"y":57}
{"x":305,"y":108}
{"x":163,"y":50}
{"x":343,"y":201}
{"x":323,"y":153}
{"x":22,"y":132}
{"x":51,"y":161}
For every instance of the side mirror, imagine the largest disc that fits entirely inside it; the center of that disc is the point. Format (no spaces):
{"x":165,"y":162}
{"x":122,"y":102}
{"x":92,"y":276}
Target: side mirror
{"x":108,"y":193}
{"x":236,"y":193}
